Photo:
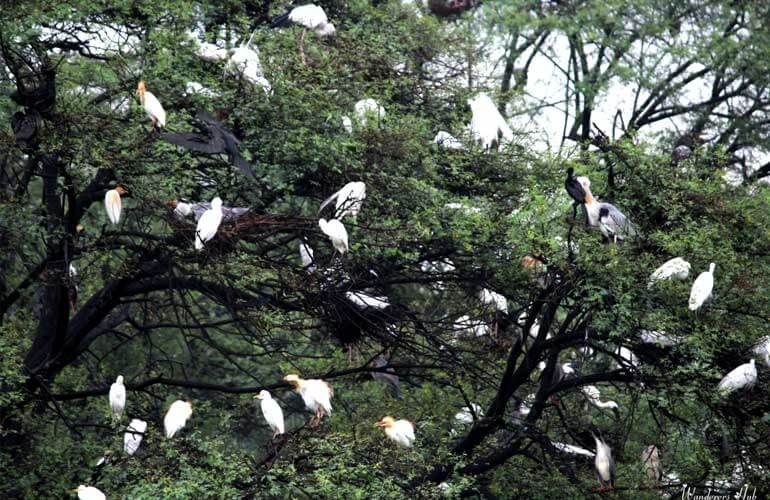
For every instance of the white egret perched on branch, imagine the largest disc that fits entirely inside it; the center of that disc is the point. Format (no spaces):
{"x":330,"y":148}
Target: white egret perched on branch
{"x":487,"y":122}
{"x":89,"y":493}
{"x":702,"y":288}
{"x":604,"y":464}
{"x":336,"y":233}
{"x":401,"y":431}
{"x":176,"y":417}
{"x":306,"y":255}
{"x":208,"y":224}
{"x":349,"y":200}
{"x":316,"y":394}
{"x":113,"y":204}
{"x":118,"y":397}
{"x":309,"y":16}
{"x":151,"y":105}
{"x":133,"y":436}
{"x":594,"y":396}
{"x":489,"y":297}
{"x":364,"y":300}
{"x":468,"y":414}
{"x":742,"y":377}
{"x":366,"y":108}
{"x":210,"y":52}
{"x":762,"y":349}
{"x":676,"y":268}
{"x":244,"y":62}
{"x":271,"y":411}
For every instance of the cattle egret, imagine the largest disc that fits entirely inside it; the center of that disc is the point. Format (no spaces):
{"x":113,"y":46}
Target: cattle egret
{"x":244,"y":62}
{"x":176,"y":417}
{"x":271,"y":411}
{"x":743,"y":377}
{"x":604,"y":464}
{"x":613,"y":224}
{"x":349,"y":200}
{"x":364,"y":300}
{"x":112,"y":203}
{"x":336,"y":233}
{"x":151,"y":106}
{"x":89,"y":493}
{"x":572,"y":450}
{"x":208,"y":224}
{"x":366,"y":108}
{"x":702,"y":288}
{"x":762,"y":349}
{"x":488,"y":297}
{"x":401,"y":431}
{"x":212,"y":138}
{"x":310,"y":16}
{"x":389,"y":376}
{"x":487,"y":122}
{"x":316,"y":395}
{"x":651,"y":461}
{"x":467,"y":415}
{"x":306,"y":256}
{"x":676,"y":269}
{"x":593,"y":394}
{"x":448,"y":141}
{"x":118,"y":397}
{"x":133,"y":436}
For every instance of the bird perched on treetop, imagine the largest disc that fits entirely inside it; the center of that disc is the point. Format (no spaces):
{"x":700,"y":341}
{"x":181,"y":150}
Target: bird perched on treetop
{"x":118,"y":397}
{"x":176,"y":417}
{"x":309,"y":16}
{"x":702,"y":288}
{"x":316,"y":394}
{"x":151,"y":105}
{"x":401,"y":431}
{"x":271,"y":411}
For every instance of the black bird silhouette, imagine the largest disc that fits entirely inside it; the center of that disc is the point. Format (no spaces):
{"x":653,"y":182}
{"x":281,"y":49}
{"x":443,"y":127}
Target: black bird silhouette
{"x":212,"y":138}
{"x":576,"y":192}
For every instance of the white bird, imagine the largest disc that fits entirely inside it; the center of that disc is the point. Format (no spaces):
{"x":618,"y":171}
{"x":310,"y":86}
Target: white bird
{"x":743,"y":377}
{"x":176,"y":417}
{"x":594,"y":396}
{"x":604,"y":464}
{"x":208,"y":224}
{"x":316,"y":394}
{"x":656,"y":337}
{"x":466,"y":416}
{"x":702,"y":288}
{"x":112,"y":203}
{"x":336,"y":233}
{"x":306,"y":255}
{"x":487,"y":122}
{"x":183,"y":209}
{"x":151,"y":105}
{"x":192,"y":88}
{"x":465,"y":325}
{"x":89,"y":493}
{"x":133,"y":436}
{"x":244,"y":62}
{"x":73,"y":271}
{"x":488,"y":297}
{"x":349,"y":199}
{"x":271,"y":411}
{"x":310,"y":16}
{"x":572,"y":449}
{"x":676,"y":268}
{"x":448,"y":141}
{"x":364,"y":300}
{"x":347,"y":124}
{"x":366,"y":108}
{"x":209,"y":52}
{"x":401,"y":431}
{"x":762,"y":349}
{"x":118,"y":397}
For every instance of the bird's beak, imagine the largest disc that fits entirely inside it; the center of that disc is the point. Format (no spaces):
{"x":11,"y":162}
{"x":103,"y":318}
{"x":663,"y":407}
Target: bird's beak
{"x":379,"y":424}
{"x":74,"y":490}
{"x":257,"y":397}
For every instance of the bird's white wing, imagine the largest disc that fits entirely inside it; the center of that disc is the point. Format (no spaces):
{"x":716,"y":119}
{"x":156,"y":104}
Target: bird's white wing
{"x":273,"y":414}
{"x":308,"y":16}
{"x":207,"y":227}
{"x":112,"y":205}
{"x":117,"y":397}
{"x":701,"y":290}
